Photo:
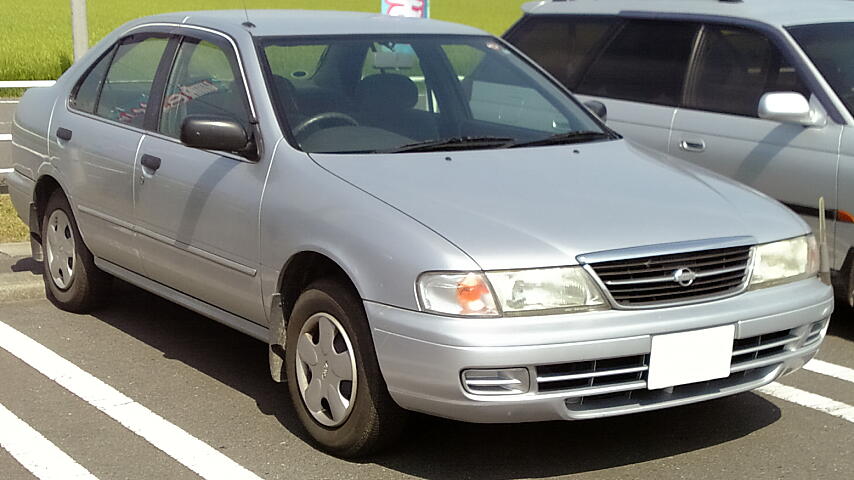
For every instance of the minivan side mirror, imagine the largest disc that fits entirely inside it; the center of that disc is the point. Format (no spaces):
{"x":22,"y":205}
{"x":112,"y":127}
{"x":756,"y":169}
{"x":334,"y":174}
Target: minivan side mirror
{"x":214,"y":132}
{"x":598,"y":108}
{"x":790,"y":107}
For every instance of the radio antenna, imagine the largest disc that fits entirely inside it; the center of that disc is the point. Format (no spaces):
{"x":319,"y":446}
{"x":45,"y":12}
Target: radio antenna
{"x":247,"y":23}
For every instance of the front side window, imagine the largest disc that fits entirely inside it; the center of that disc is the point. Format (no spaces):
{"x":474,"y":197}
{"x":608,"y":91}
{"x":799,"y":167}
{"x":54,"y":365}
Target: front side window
{"x":562,"y":45}
{"x":829,"y":46}
{"x":127,"y":86}
{"x":388,"y":93}
{"x":202,"y":82}
{"x":646,"y":62}
{"x":735,"y":67}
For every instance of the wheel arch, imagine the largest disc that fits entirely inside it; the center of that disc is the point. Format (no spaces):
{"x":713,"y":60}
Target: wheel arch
{"x":299,"y":271}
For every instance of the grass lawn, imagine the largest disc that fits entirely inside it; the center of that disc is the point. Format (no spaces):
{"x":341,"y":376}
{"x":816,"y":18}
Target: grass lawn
{"x":36,"y":35}
{"x":12,"y":229}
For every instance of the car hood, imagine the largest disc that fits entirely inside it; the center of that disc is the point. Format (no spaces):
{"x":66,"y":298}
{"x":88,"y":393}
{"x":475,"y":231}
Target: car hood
{"x":543,"y":206}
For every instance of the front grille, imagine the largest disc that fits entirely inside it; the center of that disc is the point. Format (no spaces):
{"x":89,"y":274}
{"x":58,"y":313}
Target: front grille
{"x":649,"y":281}
{"x":625,"y":377}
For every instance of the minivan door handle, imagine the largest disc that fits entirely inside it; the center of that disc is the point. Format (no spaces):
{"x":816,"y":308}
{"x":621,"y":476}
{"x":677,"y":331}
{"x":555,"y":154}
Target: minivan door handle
{"x":150,"y":162}
{"x":692,"y":145}
{"x":63,"y":134}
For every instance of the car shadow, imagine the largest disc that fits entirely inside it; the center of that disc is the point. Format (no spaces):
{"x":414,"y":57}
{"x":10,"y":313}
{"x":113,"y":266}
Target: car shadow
{"x":842,"y":322}
{"x":438,"y":448}
{"x":28,"y":265}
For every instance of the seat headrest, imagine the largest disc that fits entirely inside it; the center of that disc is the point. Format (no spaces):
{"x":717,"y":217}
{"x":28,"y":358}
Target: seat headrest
{"x":287,"y":93}
{"x":387,"y":91}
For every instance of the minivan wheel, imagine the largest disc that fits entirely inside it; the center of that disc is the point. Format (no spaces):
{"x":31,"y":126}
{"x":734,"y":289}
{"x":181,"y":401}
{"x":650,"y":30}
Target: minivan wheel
{"x":334,"y":379}
{"x":72,"y":281}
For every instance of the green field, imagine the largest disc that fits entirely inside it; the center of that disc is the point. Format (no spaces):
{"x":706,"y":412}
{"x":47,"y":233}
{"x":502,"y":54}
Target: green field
{"x":36,"y":35}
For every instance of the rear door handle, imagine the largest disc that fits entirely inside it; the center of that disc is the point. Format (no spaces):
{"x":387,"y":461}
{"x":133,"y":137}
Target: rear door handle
{"x":692,"y":145}
{"x":63,"y":134}
{"x":150,"y":162}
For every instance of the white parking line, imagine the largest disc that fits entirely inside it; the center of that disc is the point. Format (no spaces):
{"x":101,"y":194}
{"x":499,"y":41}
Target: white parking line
{"x":193,"y":453}
{"x":36,"y":453}
{"x":809,"y":400}
{"x":830,"y":369}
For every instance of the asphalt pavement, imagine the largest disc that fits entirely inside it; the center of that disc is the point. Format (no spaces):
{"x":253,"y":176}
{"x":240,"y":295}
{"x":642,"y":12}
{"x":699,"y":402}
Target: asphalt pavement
{"x":209,"y":388}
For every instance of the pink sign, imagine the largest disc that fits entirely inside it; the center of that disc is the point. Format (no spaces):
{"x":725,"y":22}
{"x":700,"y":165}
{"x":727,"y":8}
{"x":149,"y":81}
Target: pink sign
{"x":405,"y":8}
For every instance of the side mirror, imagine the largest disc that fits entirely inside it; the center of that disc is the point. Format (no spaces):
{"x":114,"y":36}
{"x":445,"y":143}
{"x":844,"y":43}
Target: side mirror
{"x":790,"y":107}
{"x":211,"y":132}
{"x":598,"y":108}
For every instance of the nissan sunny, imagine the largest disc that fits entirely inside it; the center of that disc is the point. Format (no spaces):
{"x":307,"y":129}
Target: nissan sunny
{"x":413,"y":216}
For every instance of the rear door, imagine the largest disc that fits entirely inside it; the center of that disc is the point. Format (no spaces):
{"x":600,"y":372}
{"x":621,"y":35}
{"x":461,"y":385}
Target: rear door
{"x":718,"y":127}
{"x":635,"y":67}
{"x":197,"y":212}
{"x":94,"y":140}
{"x":639,"y":76}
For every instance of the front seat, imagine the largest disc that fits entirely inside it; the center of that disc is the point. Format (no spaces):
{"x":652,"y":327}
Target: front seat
{"x":387,"y":101}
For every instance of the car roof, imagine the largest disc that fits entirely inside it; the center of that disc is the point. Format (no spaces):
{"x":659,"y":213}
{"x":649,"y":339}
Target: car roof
{"x":309,"y":22}
{"x":779,"y":13}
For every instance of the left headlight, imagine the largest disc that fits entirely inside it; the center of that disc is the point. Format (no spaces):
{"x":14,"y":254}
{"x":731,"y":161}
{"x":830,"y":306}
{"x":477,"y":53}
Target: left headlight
{"x":517,"y":292}
{"x":784,"y":261}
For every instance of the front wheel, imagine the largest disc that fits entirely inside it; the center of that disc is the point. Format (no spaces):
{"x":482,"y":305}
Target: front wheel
{"x":72,"y":281}
{"x":334,"y":379}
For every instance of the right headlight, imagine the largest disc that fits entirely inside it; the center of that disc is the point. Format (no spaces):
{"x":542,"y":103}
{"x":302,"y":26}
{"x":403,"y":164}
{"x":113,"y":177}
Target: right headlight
{"x":784,"y":261}
{"x":513,"y":292}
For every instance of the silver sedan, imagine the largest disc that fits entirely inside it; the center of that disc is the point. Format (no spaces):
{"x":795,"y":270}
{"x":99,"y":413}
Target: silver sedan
{"x":413,"y":216}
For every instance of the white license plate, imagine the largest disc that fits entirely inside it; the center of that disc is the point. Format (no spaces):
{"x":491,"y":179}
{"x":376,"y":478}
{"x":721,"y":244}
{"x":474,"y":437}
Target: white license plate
{"x":689,"y":357}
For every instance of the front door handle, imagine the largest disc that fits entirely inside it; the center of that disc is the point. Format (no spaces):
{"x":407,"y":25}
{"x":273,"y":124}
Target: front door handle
{"x":692,"y":145}
{"x":150,"y":162}
{"x":63,"y":134}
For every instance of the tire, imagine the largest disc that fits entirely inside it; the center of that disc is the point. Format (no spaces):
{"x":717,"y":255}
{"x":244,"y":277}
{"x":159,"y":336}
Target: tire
{"x":371,"y":420}
{"x":72,"y":281}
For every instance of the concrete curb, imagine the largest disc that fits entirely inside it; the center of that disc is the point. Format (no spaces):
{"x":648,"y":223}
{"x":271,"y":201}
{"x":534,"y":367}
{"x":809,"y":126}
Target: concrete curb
{"x":19,"y":274}
{"x":21,"y":291}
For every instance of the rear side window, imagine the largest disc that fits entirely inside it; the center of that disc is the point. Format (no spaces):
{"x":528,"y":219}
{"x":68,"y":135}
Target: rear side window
{"x":735,"y":67}
{"x":562,"y":45}
{"x":646,"y":62}
{"x":85,"y":96}
{"x":125,"y":92}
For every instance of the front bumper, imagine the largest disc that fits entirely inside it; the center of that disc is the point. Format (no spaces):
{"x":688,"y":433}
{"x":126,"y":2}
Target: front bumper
{"x":422,"y":356}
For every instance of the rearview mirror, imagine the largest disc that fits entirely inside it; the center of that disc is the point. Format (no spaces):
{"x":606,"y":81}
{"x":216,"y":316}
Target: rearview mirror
{"x":211,"y":132}
{"x":790,"y":107}
{"x":598,"y":108}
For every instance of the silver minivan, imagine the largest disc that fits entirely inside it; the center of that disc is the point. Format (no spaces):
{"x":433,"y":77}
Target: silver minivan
{"x":413,"y":217}
{"x":761,"y":91}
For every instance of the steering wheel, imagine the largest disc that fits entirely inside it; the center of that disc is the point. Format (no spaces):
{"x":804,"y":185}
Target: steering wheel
{"x":322,"y":118}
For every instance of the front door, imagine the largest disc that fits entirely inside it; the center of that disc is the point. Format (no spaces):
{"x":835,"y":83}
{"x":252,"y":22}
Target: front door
{"x":719,"y":128}
{"x":197,"y":210}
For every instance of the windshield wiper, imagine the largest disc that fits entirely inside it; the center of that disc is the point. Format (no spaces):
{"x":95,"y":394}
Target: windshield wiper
{"x":565,"y":138}
{"x":453,"y":143}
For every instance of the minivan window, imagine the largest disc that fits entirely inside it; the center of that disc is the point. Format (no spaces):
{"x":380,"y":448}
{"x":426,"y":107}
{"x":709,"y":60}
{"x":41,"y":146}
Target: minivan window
{"x":646,"y":62}
{"x":562,"y":45}
{"x":202,"y":82}
{"x":829,"y":46}
{"x":734,"y":68}
{"x":124,"y":95}
{"x":387,"y":93}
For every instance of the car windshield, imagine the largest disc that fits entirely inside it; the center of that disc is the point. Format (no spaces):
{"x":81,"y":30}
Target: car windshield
{"x":346,"y":94}
{"x":830,"y":47}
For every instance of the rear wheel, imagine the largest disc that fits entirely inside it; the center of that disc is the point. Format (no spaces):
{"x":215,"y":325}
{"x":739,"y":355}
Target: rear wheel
{"x":72,"y":281}
{"x":334,"y":379}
